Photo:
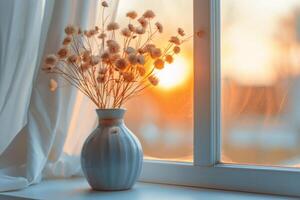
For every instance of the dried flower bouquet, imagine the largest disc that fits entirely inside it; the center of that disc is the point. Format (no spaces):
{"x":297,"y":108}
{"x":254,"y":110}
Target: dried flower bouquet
{"x":107,"y":72}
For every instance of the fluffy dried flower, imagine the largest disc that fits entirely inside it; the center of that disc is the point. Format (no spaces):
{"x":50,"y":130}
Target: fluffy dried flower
{"x":180,"y":31}
{"x":141,"y":70}
{"x":113,"y":46}
{"x":113,"y":26}
{"x":126,"y":32}
{"x":169,"y":59}
{"x":153,"y":80}
{"x":105,"y":56}
{"x":48,"y":68}
{"x":148,"y":48}
{"x":102,"y":35}
{"x":111,"y":42}
{"x":130,"y":50}
{"x":63,"y":52}
{"x":141,"y":50}
{"x":94,"y":60}
{"x":131,"y":27}
{"x":143,"y":22}
{"x":69,"y":30}
{"x":67,"y":40}
{"x":73,"y":59}
{"x":132,"y":58}
{"x":128,"y":76}
{"x":131,"y":14}
{"x":159,"y":27}
{"x":140,"y":30}
{"x":159,"y":64}
{"x":86,"y":56}
{"x":51,"y":60}
{"x":104,"y":4}
{"x":176,"y":49}
{"x":149,"y":14}
{"x":92,"y":32}
{"x":52,"y":85}
{"x":140,"y":59}
{"x":121,"y":63}
{"x":155,"y":53}
{"x":175,"y":40}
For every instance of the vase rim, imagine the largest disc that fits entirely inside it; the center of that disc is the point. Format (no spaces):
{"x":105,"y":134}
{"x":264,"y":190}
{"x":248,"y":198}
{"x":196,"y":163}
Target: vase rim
{"x":111,"y":113}
{"x":111,"y":109}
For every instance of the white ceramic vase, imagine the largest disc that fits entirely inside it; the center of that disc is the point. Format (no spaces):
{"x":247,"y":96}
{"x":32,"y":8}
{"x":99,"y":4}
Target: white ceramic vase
{"x":112,"y":156}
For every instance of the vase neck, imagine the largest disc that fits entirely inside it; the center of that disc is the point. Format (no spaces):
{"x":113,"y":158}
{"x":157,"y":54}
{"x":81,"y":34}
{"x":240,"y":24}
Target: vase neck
{"x":111,"y":122}
{"x":110,"y":117}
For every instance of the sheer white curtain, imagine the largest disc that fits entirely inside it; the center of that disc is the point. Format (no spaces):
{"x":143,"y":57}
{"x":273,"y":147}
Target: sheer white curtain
{"x":41,"y":132}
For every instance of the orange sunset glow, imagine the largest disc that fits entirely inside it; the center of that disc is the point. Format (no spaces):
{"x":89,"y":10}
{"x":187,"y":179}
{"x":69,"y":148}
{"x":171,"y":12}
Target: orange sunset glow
{"x":260,"y":65}
{"x":174,"y":74}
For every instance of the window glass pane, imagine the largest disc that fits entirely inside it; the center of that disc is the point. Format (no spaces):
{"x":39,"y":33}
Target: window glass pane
{"x":260,"y":69}
{"x":162,"y":117}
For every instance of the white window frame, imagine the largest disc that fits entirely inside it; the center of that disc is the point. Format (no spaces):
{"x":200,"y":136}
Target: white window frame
{"x":207,"y":170}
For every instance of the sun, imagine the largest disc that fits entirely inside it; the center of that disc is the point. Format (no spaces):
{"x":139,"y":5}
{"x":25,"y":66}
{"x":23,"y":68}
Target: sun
{"x":173,"y":74}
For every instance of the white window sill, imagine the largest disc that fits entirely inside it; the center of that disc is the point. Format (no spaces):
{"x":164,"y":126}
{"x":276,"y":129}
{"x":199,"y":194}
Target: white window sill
{"x":78,"y":189}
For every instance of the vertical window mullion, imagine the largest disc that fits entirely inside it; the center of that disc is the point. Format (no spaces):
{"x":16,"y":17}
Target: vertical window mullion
{"x":203,"y":154}
{"x":216,"y":77}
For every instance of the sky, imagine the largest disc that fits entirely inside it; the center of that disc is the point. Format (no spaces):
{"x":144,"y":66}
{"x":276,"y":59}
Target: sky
{"x":248,"y":43}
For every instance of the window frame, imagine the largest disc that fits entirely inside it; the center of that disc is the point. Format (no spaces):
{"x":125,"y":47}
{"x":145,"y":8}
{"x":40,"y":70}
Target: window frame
{"x":206,"y":170}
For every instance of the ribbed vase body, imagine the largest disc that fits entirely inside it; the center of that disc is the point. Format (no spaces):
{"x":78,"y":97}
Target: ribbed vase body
{"x":112,"y":156}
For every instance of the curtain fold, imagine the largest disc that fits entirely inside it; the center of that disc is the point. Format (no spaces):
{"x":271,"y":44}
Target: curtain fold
{"x":57,"y":123}
{"x":19,"y":42}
